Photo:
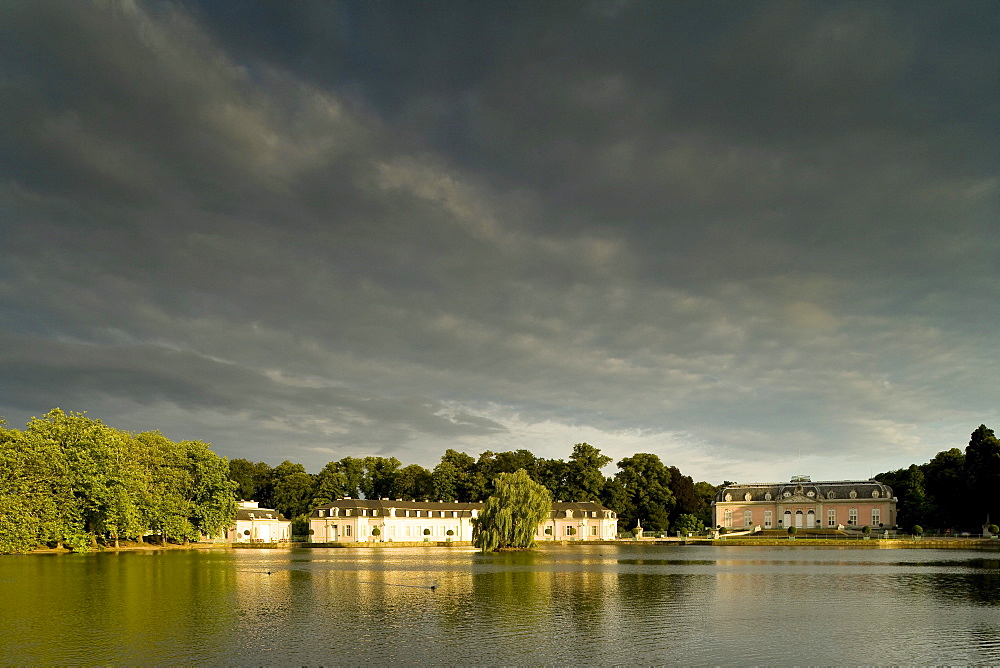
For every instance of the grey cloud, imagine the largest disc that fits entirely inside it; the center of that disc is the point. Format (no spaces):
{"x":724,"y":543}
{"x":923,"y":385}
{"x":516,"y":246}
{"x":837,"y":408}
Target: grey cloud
{"x":329,"y":231}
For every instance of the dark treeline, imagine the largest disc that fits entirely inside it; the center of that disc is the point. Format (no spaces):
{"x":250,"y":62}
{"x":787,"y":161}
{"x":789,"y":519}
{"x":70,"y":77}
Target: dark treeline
{"x":643,"y":488}
{"x":70,"y":481}
{"x":954,"y":491}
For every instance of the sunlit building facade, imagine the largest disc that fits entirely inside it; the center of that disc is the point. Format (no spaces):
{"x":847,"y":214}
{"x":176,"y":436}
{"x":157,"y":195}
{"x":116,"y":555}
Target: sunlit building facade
{"x":805,"y":504}
{"x":388,"y":520}
{"x":258,"y":525}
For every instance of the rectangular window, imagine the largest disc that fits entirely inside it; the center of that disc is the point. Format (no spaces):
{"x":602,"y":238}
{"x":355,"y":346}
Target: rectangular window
{"x":748,"y":518}
{"x":568,"y":529}
{"x":876,"y":517}
{"x":768,"y":518}
{"x":593,"y":530}
{"x":831,"y":517}
{"x":728,"y":521}
{"x":852,"y":516}
{"x":347,"y":529}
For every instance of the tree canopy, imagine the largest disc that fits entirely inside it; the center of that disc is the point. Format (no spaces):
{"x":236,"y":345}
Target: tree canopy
{"x":71,"y":480}
{"x":510,"y":517}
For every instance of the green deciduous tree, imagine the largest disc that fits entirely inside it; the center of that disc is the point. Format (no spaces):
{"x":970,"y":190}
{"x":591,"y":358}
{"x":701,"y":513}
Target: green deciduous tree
{"x":509,"y":519}
{"x":642,"y":491}
{"x":380,"y":477}
{"x":982,"y":470}
{"x":688,"y":523}
{"x":584,"y":479}
{"x":414,"y":482}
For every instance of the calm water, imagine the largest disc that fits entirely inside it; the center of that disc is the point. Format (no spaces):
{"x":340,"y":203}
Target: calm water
{"x":572,"y":605}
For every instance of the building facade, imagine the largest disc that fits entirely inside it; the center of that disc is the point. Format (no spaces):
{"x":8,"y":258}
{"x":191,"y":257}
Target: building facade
{"x":387,"y":520}
{"x":258,"y":525}
{"x":805,"y":504}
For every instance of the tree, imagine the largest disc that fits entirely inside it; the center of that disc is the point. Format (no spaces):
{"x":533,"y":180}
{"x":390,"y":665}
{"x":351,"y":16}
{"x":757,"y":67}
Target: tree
{"x":945,"y":483}
{"x":510,"y":518}
{"x":331,"y":484}
{"x":554,"y":475}
{"x":644,"y":492}
{"x":414,"y":482}
{"x":982,"y":470}
{"x":454,"y":478}
{"x":380,"y":477}
{"x":294,"y":489}
{"x":584,"y":480}
{"x":31,"y":492}
{"x":211,"y":493}
{"x":354,"y":471}
{"x":687,"y":501}
{"x":908,"y":486}
{"x":706,"y":492}
{"x":253,"y":481}
{"x":688,"y":523}
{"x":444,"y":482}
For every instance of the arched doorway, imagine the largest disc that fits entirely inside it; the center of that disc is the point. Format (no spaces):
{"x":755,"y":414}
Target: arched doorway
{"x":799,"y":519}
{"x":787,"y":519}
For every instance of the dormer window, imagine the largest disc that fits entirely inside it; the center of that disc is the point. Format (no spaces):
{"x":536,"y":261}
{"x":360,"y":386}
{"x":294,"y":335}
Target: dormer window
{"x":875,"y":494}
{"x":767,"y":497}
{"x":810,"y":493}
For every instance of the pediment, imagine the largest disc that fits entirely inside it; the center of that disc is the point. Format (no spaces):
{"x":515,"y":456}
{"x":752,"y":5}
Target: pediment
{"x":799,"y":498}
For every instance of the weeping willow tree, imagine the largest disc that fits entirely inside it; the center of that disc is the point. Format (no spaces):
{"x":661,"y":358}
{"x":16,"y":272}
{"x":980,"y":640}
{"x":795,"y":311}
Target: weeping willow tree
{"x":510,"y":517}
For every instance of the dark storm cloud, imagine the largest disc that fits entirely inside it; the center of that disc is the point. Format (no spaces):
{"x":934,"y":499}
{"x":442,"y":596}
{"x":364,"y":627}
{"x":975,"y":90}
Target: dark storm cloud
{"x":303,"y":231}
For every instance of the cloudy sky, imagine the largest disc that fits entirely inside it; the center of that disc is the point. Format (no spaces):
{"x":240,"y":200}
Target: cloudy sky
{"x":756,"y":239}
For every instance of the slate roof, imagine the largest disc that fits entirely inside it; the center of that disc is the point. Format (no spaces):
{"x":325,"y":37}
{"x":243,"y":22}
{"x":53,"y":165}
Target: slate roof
{"x":259,"y":514}
{"x":559,"y":508}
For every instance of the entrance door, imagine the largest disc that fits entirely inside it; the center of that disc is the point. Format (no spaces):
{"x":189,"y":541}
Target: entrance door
{"x":787,"y":519}
{"x":264,"y":533}
{"x":799,"y":519}
{"x":811,"y":519}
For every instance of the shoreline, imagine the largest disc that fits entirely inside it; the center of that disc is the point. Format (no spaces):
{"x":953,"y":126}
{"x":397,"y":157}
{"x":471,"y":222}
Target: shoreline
{"x":873,"y":544}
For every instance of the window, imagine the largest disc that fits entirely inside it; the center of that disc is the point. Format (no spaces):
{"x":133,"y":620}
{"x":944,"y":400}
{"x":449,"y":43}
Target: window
{"x":876,"y":516}
{"x":569,"y":530}
{"x":831,"y":517}
{"x":593,"y":530}
{"x":347,"y":529}
{"x":767,"y":519}
{"x":747,"y":518}
{"x":852,"y":516}
{"x":728,"y":522}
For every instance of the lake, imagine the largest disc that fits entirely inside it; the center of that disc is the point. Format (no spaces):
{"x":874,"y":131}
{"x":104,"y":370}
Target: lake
{"x":627,"y":604}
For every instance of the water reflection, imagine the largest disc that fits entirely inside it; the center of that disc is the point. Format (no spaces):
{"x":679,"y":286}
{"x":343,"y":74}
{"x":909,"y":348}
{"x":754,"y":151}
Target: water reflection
{"x":574,"y":604}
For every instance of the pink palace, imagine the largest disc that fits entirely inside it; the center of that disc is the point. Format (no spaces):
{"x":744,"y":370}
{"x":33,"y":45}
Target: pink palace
{"x":805,"y":504}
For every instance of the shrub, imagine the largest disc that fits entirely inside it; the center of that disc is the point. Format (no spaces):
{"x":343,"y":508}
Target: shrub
{"x":376,"y":531}
{"x":866,"y":530}
{"x":450,"y":532}
{"x":427,"y":532}
{"x":993,"y":528}
{"x":792,"y":531}
{"x":918,"y":530}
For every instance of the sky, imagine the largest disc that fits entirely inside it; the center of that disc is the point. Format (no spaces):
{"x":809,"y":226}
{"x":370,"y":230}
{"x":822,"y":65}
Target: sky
{"x":755,"y":239}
